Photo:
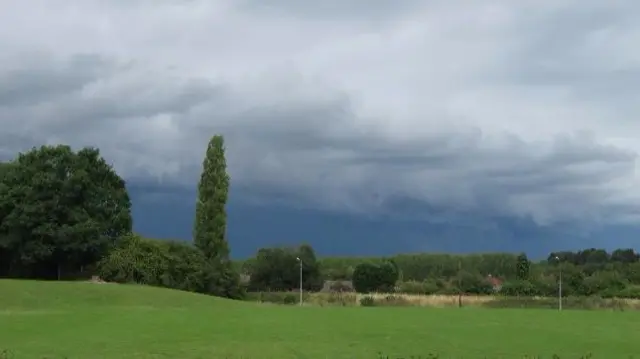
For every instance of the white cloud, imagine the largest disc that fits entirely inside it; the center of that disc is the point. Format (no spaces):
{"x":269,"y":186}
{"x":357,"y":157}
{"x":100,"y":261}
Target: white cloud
{"x":521,"y":108}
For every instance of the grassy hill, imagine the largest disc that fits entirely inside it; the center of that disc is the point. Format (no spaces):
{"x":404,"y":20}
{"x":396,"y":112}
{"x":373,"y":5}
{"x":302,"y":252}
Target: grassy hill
{"x":88,"y":320}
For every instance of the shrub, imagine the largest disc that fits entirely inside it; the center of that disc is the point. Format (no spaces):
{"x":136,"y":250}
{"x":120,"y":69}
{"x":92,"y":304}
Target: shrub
{"x":599,"y":282}
{"x":277,"y":297}
{"x":450,"y":290}
{"x":272,"y":297}
{"x":518,"y":288}
{"x":473,"y":283}
{"x":343,"y":299}
{"x":367,"y":301}
{"x":632,"y":291}
{"x":415,"y":287}
{"x":547,"y":286}
{"x":395,"y":300}
{"x":290,"y":299}
{"x":136,"y":260}
{"x":169,"y":264}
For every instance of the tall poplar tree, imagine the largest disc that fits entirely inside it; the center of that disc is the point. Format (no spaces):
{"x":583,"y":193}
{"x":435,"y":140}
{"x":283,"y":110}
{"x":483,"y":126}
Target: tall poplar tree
{"x":522,"y":267}
{"x":210,"y":227}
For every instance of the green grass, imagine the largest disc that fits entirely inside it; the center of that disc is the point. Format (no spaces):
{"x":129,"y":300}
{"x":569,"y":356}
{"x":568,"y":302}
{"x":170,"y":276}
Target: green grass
{"x":85,"y":320}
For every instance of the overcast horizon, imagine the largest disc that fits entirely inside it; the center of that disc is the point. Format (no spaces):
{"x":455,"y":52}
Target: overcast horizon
{"x":372,"y":127}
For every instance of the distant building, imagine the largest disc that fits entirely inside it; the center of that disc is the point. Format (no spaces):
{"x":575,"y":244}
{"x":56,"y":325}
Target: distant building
{"x":337,"y":286}
{"x":495,"y":282}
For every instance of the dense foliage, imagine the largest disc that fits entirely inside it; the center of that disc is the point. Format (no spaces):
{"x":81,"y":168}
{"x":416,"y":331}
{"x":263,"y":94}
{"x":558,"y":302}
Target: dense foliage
{"x":66,"y":214}
{"x":585,"y":273}
{"x":375,"y":277}
{"x":278,"y":269}
{"x":60,"y":211}
{"x":170,"y":264}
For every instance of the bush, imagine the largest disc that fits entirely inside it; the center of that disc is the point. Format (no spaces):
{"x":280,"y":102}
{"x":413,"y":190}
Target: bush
{"x":632,"y":292}
{"x":518,"y":288}
{"x":287,"y":298}
{"x":136,"y":260}
{"x":552,"y":303}
{"x":415,"y":287}
{"x":451,"y":290}
{"x":603,"y":283}
{"x":169,"y":264}
{"x":547,"y":287}
{"x":291,"y":299}
{"x":395,"y":300}
{"x":272,"y":297}
{"x":473,"y":283}
{"x":367,"y":301}
{"x":343,"y":299}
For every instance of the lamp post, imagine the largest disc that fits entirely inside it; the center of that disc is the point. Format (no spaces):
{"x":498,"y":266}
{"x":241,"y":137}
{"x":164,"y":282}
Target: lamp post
{"x":559,"y":284}
{"x":300,"y":261}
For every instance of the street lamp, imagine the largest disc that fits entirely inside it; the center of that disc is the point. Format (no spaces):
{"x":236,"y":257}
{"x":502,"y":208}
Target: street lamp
{"x":300,"y":261}
{"x":559,"y":284}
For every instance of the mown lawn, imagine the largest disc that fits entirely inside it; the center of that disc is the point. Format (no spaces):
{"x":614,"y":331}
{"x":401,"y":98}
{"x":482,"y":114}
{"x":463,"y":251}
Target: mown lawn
{"x":83,"y":320}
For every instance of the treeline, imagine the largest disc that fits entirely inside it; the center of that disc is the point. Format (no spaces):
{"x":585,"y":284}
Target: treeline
{"x":584,"y":273}
{"x":66,"y":214}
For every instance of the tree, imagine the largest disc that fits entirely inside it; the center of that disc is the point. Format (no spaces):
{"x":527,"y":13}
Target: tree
{"x":272,"y":269}
{"x":473,"y":283}
{"x":602,"y":283}
{"x":60,"y":210}
{"x":311,"y":271}
{"x":365,"y":278}
{"x":6,"y":257}
{"x":277,"y":269}
{"x":593,"y":256}
{"x":523,"y":266}
{"x":375,"y":277}
{"x":209,"y":234}
{"x":555,"y":258}
{"x":626,"y":256}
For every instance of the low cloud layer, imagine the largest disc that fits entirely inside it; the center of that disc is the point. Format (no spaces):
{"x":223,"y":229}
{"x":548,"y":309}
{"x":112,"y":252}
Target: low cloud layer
{"x":523,"y":109}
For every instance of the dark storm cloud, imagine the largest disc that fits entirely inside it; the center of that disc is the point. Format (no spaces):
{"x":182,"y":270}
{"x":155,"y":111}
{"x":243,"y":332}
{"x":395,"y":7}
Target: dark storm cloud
{"x":507,"y":114}
{"x":47,"y":80}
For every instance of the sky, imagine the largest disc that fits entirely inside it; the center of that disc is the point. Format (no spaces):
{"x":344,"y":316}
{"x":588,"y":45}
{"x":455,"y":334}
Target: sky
{"x":362,"y":127}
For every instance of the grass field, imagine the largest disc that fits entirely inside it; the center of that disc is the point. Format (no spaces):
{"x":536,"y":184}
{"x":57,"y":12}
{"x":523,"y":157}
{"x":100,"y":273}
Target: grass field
{"x":85,"y":320}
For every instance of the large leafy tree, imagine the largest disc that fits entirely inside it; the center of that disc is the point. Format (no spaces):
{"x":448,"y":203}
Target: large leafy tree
{"x":375,"y":277}
{"x":209,"y":233}
{"x":626,"y":255}
{"x":278,"y":268}
{"x":60,"y":210}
